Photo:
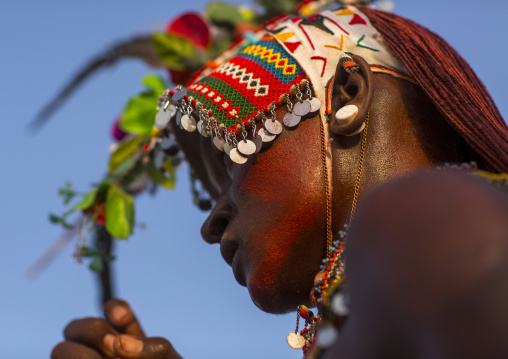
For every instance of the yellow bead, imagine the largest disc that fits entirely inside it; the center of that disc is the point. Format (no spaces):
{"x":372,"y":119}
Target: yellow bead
{"x":155,"y":132}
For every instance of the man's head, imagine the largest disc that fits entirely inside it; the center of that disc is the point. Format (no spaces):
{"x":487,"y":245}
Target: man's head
{"x":270,"y":213}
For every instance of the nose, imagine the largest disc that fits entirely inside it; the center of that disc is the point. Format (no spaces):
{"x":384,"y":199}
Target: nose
{"x":217,"y":222}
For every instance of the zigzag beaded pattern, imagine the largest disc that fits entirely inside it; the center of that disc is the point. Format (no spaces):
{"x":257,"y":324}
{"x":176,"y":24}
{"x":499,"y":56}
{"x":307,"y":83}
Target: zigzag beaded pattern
{"x":248,"y":82}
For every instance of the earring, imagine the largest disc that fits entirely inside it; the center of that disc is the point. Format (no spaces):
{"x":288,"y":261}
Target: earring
{"x":346,"y":114}
{"x":347,"y":62}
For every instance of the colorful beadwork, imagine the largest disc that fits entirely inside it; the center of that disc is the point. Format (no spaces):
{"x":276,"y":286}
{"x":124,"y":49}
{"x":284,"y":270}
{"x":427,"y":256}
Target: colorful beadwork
{"x":348,"y":63}
{"x":248,"y":82}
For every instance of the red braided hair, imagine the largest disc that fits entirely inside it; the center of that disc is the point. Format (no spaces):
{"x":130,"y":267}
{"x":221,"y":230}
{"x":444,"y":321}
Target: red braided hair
{"x":450,"y":83}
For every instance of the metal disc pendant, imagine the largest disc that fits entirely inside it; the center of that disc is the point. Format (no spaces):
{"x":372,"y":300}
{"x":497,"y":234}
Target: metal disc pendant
{"x":273,"y":126}
{"x":236,"y":157}
{"x":227,"y":148}
{"x":219,"y":143}
{"x":162,"y":118}
{"x":301,"y":108}
{"x":291,"y":119}
{"x":159,"y":158}
{"x":188,"y":123}
{"x":166,"y":143}
{"x":339,"y":305}
{"x":265,"y":136}
{"x":326,"y":336}
{"x":178,"y":117}
{"x":258,"y":141}
{"x":179,"y":94}
{"x":315,"y":104}
{"x":246,"y":147}
{"x":202,"y":129}
{"x":295,"y":340}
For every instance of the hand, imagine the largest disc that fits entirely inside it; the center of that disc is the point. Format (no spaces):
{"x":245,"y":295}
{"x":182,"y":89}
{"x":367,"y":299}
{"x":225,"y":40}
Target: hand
{"x":117,"y":336}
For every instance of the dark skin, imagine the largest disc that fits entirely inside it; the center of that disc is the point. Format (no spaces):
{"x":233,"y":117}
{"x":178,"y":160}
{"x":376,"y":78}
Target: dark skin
{"x":269,"y":216}
{"x":440,"y":294}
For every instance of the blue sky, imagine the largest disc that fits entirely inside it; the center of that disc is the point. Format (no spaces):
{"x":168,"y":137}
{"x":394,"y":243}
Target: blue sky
{"x":178,"y":285}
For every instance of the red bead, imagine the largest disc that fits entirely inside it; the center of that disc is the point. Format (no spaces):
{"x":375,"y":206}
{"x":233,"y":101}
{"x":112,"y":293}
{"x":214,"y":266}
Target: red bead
{"x":186,"y":98}
{"x":193,"y":102}
{"x":146,"y":146}
{"x":304,"y":314}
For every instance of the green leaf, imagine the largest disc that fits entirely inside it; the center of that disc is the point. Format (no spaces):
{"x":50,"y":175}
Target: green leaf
{"x":173,"y":48}
{"x":86,"y":252}
{"x":158,"y":177}
{"x":53,"y":218}
{"x":96,"y":264}
{"x":223,"y":14}
{"x":86,"y":202}
{"x":119,"y":213}
{"x":123,"y":152}
{"x":67,"y":193}
{"x":107,"y":258}
{"x":154,"y":83}
{"x":138,"y":116}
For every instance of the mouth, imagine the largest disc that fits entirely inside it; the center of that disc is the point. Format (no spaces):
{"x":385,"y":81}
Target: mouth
{"x":229,"y":251}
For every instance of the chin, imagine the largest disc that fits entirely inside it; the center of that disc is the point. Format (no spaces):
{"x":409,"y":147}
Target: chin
{"x":272,"y":297}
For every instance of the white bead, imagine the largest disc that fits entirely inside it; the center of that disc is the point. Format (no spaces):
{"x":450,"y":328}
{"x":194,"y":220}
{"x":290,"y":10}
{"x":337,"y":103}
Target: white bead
{"x":346,"y":114}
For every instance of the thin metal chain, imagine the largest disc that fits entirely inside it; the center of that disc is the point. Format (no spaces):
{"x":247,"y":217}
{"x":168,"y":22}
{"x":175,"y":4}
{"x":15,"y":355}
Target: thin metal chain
{"x":360,"y":168}
{"x":329,"y":236}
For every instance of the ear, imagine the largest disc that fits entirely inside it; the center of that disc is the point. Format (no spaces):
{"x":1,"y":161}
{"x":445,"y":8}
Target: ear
{"x":356,"y":88}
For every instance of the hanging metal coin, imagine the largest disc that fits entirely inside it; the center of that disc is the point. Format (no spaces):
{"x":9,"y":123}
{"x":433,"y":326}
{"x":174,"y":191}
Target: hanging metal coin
{"x":159,"y":158}
{"x":236,"y":157}
{"x":301,"y":108}
{"x":274,"y":127}
{"x":339,"y":305}
{"x":265,"y":136}
{"x":162,"y":119}
{"x":315,"y":104}
{"x":258,"y":141}
{"x":326,"y":336}
{"x":188,"y":123}
{"x":179,"y":94}
{"x":291,"y":119}
{"x":178,"y":117}
{"x":295,"y":340}
{"x":219,"y":143}
{"x":227,"y":148}
{"x":202,"y":129}
{"x":246,"y":147}
{"x":166,"y":143}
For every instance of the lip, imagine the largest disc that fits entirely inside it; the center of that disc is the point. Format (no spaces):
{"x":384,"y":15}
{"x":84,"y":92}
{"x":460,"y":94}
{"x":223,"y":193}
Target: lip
{"x":230,"y":253}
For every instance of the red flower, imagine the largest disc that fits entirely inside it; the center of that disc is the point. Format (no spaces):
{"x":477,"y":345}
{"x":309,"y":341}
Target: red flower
{"x":194,"y":28}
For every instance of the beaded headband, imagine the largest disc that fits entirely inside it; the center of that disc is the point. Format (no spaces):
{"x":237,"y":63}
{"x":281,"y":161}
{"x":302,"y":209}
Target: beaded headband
{"x":295,"y":56}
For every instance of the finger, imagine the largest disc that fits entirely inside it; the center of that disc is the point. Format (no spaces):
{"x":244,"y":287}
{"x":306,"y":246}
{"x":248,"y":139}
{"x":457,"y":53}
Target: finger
{"x":121,"y":316}
{"x":70,"y":350}
{"x":130,"y":347}
{"x":95,"y":333}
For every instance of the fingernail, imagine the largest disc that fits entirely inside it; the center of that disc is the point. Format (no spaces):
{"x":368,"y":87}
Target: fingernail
{"x":108,"y":341}
{"x":119,"y":314}
{"x":131,"y":345}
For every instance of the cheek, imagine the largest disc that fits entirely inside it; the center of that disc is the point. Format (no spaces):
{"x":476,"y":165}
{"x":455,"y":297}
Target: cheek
{"x":282,"y":213}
